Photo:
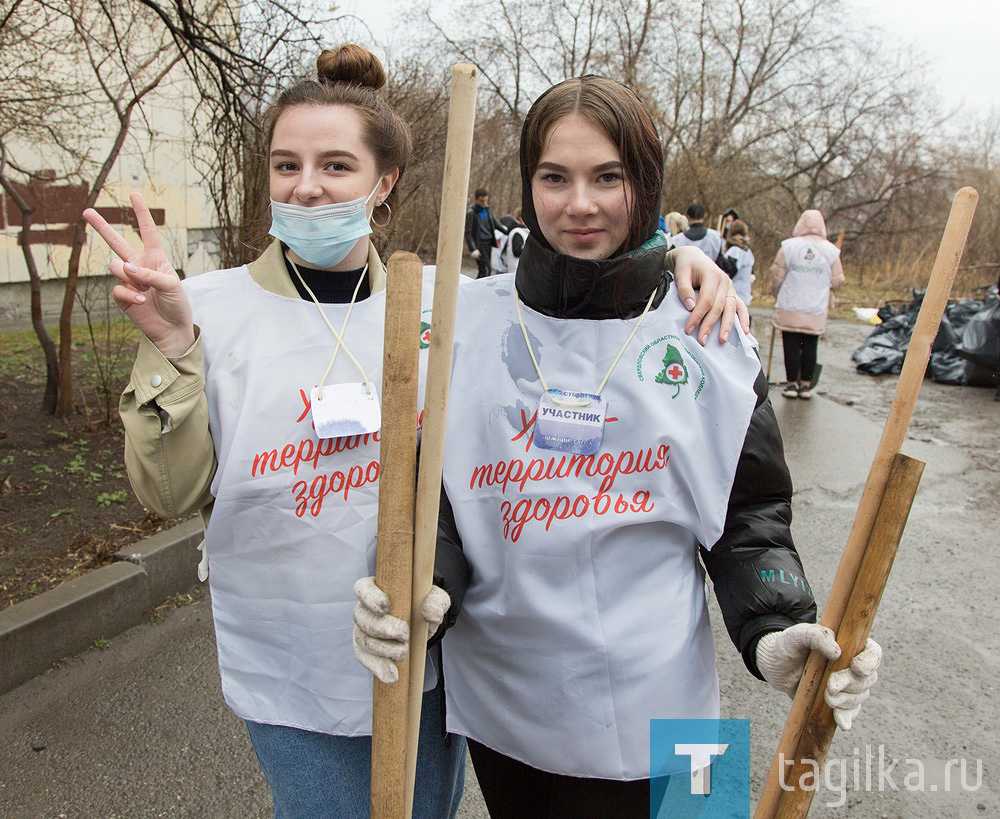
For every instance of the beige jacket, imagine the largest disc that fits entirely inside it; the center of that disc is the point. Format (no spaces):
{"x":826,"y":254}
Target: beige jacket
{"x":169,"y":454}
{"x":810,"y":224}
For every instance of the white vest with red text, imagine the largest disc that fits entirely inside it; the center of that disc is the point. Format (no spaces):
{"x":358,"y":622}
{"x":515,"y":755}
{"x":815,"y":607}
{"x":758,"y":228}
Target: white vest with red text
{"x":294,"y":520}
{"x":586,"y":612}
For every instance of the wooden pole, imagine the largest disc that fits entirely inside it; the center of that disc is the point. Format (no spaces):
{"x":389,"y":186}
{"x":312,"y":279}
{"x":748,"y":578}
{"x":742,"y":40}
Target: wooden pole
{"x":893,"y":435}
{"x":451,"y":231}
{"x":394,"y":550}
{"x":819,"y":727}
{"x":770,"y":353}
{"x":840,"y":246}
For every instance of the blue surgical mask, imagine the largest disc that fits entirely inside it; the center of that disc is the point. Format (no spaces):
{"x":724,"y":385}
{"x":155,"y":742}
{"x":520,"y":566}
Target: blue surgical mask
{"x":325,"y":234}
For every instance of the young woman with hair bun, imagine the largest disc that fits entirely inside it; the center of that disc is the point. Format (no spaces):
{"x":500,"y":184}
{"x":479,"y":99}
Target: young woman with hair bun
{"x":219,"y":417}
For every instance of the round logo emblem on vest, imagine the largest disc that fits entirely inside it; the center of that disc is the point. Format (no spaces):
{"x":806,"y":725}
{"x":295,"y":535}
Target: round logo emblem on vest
{"x":668,"y":363}
{"x":425,"y":331}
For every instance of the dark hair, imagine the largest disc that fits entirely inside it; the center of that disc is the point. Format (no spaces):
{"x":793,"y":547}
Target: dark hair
{"x":730,"y":211}
{"x":695,"y":211}
{"x":351,"y":75}
{"x":481,"y":192}
{"x":620,"y":114}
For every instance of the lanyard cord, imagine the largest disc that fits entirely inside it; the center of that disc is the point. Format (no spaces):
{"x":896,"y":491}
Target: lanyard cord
{"x":339,"y":336}
{"x":570,"y":402}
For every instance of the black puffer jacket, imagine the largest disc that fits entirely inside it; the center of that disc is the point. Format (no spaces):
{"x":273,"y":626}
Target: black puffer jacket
{"x":754,"y":567}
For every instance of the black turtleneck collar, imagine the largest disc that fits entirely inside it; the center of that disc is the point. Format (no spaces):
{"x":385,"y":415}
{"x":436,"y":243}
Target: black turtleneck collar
{"x":330,"y":287}
{"x":567,"y":287}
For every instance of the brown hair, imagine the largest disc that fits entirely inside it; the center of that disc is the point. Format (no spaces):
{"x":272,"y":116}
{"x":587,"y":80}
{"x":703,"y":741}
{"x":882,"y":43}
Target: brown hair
{"x":620,"y":114}
{"x":738,"y":228}
{"x":351,"y":75}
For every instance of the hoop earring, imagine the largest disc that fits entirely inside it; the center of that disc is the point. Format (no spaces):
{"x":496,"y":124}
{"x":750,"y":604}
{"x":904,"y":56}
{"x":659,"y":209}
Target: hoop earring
{"x":388,"y":217}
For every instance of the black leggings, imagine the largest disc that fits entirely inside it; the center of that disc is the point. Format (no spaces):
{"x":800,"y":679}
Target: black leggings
{"x":513,"y":790}
{"x":800,"y":356}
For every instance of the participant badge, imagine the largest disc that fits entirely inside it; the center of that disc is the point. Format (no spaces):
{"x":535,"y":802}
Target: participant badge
{"x":570,"y":422}
{"x":339,"y":410}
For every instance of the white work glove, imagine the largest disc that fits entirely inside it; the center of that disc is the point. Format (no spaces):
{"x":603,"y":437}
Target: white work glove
{"x":476,"y":254}
{"x":781,"y":658}
{"x":381,"y":640}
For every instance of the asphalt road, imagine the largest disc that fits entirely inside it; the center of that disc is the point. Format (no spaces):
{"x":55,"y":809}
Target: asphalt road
{"x":139,"y":729}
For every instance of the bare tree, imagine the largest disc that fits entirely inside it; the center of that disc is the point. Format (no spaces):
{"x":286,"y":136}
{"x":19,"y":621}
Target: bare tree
{"x":76,"y":73}
{"x":103,"y":81}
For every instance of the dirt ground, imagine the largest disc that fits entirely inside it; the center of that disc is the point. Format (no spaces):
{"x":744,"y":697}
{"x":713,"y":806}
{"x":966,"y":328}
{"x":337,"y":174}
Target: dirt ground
{"x":65,"y":502}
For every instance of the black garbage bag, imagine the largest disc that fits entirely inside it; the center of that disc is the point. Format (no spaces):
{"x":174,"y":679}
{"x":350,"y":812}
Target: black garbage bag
{"x":980,"y":346}
{"x":882,"y":353}
{"x":886,"y":312}
{"x":966,"y":350}
{"x":947,"y":366}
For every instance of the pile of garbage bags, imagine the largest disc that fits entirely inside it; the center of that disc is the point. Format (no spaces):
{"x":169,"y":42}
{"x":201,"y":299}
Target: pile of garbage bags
{"x":965,"y":352}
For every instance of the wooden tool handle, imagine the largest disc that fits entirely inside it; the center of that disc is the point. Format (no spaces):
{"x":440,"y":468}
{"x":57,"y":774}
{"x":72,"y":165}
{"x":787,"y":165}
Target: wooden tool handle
{"x":893,"y":435}
{"x":451,"y":237}
{"x":818,"y":727}
{"x":394,"y":549}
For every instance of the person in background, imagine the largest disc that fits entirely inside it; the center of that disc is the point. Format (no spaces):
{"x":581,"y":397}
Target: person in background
{"x":480,"y":232}
{"x":513,"y":243}
{"x":738,"y":249}
{"x":511,"y":220}
{"x":677,"y":223}
{"x":704,"y":238}
{"x":805,"y":269}
{"x":728,"y":217}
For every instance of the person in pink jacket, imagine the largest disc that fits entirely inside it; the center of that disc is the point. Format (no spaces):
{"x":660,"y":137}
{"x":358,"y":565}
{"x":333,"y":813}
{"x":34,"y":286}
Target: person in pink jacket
{"x":804,"y":271}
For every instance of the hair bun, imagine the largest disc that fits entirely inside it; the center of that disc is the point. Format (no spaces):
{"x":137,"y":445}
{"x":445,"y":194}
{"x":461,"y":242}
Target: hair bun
{"x":352,"y":64}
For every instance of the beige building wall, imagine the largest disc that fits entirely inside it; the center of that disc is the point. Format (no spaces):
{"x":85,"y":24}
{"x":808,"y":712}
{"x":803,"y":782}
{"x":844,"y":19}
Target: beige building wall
{"x":156,"y":162}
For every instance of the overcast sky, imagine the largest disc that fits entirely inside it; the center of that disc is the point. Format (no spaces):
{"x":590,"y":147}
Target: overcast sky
{"x":961,"y":39}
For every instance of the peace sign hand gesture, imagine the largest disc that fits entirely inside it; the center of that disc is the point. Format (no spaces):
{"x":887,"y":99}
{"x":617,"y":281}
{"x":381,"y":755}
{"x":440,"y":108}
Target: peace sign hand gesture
{"x":150,"y":291}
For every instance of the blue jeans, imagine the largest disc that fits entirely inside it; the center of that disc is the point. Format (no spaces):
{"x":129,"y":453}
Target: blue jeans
{"x":315,"y":776}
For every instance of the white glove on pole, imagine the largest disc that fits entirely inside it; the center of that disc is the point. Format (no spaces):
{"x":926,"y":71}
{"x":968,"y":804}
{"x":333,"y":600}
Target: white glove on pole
{"x":476,"y":254}
{"x":781,"y":657}
{"x":381,"y":640}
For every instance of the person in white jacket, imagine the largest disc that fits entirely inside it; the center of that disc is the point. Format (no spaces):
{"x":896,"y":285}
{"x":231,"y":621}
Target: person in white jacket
{"x":806,"y":268}
{"x":738,"y":249}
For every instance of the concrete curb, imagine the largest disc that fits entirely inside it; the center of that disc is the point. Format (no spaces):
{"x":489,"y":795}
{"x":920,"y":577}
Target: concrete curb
{"x":38,"y":632}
